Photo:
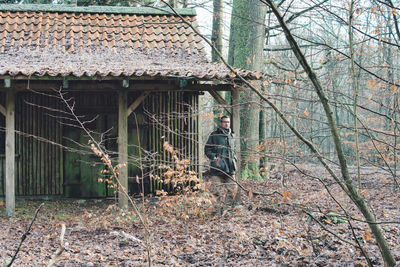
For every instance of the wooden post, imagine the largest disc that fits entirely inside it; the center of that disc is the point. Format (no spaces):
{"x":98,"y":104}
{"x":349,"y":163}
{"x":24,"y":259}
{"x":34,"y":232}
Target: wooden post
{"x":123,"y":146}
{"x":200,"y":138}
{"x":10,"y":152}
{"x":236,"y":129}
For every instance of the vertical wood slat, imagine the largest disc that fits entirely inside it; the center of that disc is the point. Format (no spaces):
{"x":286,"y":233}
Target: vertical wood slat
{"x":60,"y":161}
{"x":40,"y":189}
{"x":193,"y":132}
{"x":190,"y":131}
{"x":197,"y":136}
{"x":174,"y":122}
{"x":176,"y":110}
{"x":153,"y":111}
{"x":49,"y":155}
{"x":164,"y":115}
{"x":160,"y":133}
{"x":190,"y":124}
{"x":18,"y":188}
{"x":47,"y":178}
{"x":2,"y":165}
{"x":23,"y":150}
{"x":185,"y":118}
{"x":182,"y":111}
{"x":59,"y":171}
{"x":156,"y":110}
{"x":149,"y":103}
{"x":22,"y":183}
{"x":48,"y":161}
{"x":167,"y":116}
{"x":163,"y":133}
{"x":30,"y":142}
{"x":35,"y":148}
{"x":38,"y":164}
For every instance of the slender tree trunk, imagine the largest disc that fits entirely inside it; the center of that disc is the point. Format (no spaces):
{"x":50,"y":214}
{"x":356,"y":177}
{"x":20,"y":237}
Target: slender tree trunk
{"x":216,"y":35}
{"x":355,"y":88}
{"x":216,"y":39}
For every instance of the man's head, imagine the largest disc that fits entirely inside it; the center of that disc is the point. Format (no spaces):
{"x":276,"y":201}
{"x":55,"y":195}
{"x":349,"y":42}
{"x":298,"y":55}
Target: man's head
{"x":225,"y":122}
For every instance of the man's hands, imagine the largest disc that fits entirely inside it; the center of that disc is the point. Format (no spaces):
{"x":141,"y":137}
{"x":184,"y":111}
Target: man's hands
{"x":217,"y":159}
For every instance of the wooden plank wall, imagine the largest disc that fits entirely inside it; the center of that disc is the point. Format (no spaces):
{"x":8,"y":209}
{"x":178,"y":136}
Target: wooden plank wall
{"x":39,"y":156}
{"x":173,"y":118}
{"x":2,"y":146}
{"x":2,"y":174}
{"x":167,"y":116}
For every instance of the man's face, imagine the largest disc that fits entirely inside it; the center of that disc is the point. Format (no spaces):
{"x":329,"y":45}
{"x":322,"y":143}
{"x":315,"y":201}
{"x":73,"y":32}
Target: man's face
{"x":226,"y":123}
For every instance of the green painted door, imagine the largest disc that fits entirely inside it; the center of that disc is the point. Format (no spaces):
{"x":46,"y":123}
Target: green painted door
{"x":83,"y":169}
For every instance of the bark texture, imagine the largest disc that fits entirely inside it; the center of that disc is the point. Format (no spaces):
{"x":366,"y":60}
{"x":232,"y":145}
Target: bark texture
{"x":246,"y":51}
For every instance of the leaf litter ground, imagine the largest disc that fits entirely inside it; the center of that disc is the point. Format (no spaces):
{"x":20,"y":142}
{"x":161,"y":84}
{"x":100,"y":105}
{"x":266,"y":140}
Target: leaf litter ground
{"x":271,"y":230}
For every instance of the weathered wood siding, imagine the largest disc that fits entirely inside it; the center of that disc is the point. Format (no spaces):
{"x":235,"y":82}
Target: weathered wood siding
{"x":2,"y":145}
{"x":39,"y":157}
{"x":43,"y":167}
{"x":173,"y":118}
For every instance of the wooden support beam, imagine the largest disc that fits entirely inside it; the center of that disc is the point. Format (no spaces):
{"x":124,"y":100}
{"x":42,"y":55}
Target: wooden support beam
{"x":123,"y":147}
{"x":10,"y":152}
{"x":3,"y":110}
{"x":136,"y":103}
{"x":109,"y":85}
{"x":235,"y":98}
{"x":221,"y":101}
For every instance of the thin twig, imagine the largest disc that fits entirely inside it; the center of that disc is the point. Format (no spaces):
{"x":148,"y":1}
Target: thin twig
{"x":25,"y":235}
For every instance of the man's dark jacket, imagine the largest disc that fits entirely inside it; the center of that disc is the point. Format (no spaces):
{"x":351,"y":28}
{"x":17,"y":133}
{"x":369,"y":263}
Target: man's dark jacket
{"x":220,"y":150}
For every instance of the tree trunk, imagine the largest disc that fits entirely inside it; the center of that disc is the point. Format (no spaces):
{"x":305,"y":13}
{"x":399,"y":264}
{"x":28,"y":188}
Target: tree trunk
{"x":246,"y":51}
{"x":216,"y":35}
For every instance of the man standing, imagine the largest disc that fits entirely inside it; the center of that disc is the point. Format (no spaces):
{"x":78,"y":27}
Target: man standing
{"x":220,"y":150}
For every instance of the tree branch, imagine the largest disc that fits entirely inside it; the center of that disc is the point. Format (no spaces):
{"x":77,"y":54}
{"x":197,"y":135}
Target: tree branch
{"x":60,"y":249}
{"x":25,"y":235}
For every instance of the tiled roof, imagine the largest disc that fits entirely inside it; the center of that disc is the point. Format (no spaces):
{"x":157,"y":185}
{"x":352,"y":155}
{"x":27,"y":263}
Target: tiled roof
{"x":42,"y":40}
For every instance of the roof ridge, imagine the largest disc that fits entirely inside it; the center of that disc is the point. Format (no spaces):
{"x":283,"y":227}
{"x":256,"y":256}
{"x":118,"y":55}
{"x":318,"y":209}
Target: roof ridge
{"x":95,"y":9}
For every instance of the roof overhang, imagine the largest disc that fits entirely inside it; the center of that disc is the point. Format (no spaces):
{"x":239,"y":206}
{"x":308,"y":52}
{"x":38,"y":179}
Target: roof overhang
{"x":112,"y":85}
{"x":85,"y":43}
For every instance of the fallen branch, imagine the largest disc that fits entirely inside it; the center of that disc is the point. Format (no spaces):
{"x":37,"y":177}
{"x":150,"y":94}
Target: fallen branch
{"x":127,"y":236}
{"x":60,"y":249}
{"x":25,"y":235}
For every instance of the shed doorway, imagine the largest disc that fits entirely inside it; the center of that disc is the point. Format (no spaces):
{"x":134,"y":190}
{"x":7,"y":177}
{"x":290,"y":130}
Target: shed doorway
{"x":84,"y":173}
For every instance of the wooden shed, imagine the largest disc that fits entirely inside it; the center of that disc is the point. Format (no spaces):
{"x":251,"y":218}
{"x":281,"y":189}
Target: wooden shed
{"x":133,"y":77}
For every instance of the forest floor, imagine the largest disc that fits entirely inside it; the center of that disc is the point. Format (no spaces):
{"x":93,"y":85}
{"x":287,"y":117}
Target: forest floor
{"x":271,"y":230}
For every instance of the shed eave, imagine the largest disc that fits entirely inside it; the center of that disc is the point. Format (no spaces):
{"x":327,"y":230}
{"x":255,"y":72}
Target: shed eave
{"x":107,"y":78}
